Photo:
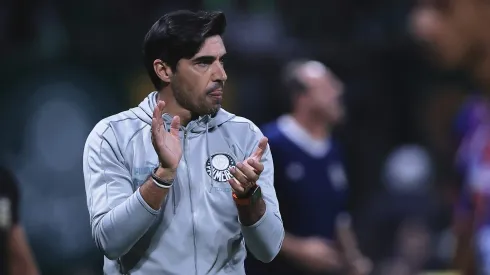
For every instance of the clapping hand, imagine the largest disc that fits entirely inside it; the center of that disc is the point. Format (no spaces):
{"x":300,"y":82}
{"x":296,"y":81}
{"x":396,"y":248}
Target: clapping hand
{"x":167,"y":144}
{"x":247,"y":173}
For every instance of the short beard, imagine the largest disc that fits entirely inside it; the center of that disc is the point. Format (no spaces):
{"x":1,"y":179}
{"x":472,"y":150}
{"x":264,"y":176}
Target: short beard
{"x":214,"y":111}
{"x":182,"y":99}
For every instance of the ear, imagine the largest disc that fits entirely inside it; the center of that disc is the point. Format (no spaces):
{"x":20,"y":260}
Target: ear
{"x":163,"y":70}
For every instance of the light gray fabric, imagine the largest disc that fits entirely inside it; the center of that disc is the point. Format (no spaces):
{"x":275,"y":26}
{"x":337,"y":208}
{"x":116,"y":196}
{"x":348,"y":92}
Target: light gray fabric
{"x":197,"y":230}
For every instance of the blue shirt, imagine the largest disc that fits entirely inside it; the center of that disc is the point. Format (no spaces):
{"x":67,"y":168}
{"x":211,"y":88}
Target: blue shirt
{"x":473,"y":159}
{"x":310,"y":184}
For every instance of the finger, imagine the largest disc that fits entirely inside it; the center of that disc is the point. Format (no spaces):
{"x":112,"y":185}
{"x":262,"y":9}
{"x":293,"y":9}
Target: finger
{"x":155,"y":127}
{"x":259,"y":152}
{"x":239,"y":176}
{"x":235,"y":185}
{"x":157,"y":120}
{"x":248,"y":172}
{"x":158,"y":111}
{"x":175,"y":126}
{"x":256,"y":165}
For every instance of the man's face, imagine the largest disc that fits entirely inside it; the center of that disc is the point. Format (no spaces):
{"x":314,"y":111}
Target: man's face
{"x":324,"y":95}
{"x":198,"y":82}
{"x":450,"y":28}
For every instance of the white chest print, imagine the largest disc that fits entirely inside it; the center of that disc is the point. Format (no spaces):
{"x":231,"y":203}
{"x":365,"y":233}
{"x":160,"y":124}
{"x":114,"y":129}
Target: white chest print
{"x":337,"y":176}
{"x":218,"y":167}
{"x":295,"y":171}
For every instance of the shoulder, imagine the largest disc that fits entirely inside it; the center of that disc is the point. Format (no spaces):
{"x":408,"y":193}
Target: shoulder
{"x":271,"y":129}
{"x":242,"y":132}
{"x":126,"y":120}
{"x":244,"y":124}
{"x":243,"y":129}
{"x":473,"y":112}
{"x":117,"y":130}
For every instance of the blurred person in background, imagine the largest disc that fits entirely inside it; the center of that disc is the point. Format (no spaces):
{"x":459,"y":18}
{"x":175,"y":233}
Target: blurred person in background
{"x":395,"y":224}
{"x":15,"y":254}
{"x":412,"y":249}
{"x":456,"y":32}
{"x":310,"y":180}
{"x":178,"y":185}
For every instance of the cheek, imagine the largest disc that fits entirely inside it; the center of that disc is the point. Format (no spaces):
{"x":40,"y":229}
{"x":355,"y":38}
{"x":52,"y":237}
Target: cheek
{"x":317,"y":99}
{"x":432,"y":28}
{"x":199,"y":83}
{"x":190,"y":84}
{"x":455,"y":43}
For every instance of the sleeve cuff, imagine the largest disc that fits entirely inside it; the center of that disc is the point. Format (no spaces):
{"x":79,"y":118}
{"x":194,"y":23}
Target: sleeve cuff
{"x":145,"y":205}
{"x":264,"y":238}
{"x":256,"y":224}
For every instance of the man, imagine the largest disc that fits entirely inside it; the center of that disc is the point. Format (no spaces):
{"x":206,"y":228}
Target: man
{"x":178,"y":185}
{"x":15,"y":255}
{"x":308,"y":164}
{"x":456,"y":32}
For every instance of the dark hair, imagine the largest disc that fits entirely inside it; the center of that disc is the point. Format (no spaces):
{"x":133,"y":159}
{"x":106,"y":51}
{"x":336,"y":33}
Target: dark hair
{"x":179,"y":34}
{"x":290,"y":80}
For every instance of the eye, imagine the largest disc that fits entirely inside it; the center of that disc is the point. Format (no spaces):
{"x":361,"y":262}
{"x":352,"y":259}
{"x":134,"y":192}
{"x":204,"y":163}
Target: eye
{"x":202,"y":65}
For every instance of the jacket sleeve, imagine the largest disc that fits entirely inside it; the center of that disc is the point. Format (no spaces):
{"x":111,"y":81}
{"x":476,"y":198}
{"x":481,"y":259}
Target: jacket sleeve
{"x":119,"y":217}
{"x":264,"y":238}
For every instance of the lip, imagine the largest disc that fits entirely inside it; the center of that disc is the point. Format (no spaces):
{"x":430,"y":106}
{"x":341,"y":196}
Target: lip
{"x":216,"y":93}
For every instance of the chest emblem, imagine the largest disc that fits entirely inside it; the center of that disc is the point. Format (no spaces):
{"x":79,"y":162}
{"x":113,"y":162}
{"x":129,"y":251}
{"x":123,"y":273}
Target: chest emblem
{"x":218,"y":167}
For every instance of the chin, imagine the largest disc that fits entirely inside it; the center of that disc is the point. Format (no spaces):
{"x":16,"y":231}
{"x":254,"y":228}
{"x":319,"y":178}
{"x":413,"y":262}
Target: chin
{"x":445,"y":60}
{"x":215,"y":110}
{"x":211,"y":110}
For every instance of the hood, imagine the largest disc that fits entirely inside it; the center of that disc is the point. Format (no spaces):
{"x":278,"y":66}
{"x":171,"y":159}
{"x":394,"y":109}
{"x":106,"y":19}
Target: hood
{"x":144,"y":111}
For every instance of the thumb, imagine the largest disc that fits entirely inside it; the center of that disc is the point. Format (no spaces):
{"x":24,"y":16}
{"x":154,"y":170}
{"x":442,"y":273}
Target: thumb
{"x":259,"y":152}
{"x":175,"y":126}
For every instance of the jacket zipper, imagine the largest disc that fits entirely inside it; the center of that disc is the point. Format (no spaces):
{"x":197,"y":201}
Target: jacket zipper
{"x":190,"y":199}
{"x":173,"y":198}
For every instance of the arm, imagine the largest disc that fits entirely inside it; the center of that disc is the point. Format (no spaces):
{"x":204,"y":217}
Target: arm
{"x":347,"y":238}
{"x":21,"y":259}
{"x":356,"y":262}
{"x":312,"y":254}
{"x":261,"y":222}
{"x":111,"y":201}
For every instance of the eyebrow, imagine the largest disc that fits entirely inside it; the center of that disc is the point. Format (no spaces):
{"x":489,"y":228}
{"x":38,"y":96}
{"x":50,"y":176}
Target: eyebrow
{"x":207,"y":58}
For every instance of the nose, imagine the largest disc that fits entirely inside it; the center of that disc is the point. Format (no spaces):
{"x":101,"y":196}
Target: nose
{"x":219,"y":73}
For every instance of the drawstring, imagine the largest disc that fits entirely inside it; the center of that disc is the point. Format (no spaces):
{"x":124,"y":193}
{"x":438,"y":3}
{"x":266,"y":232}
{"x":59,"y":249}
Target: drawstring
{"x":209,"y":157}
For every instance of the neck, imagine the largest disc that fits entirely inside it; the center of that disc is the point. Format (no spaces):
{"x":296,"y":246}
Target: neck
{"x":315,"y":126}
{"x":481,"y":73}
{"x":173,"y":108}
{"x":481,"y":68}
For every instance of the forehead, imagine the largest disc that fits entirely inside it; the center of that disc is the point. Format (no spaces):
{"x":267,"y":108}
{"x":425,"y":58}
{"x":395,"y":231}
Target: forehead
{"x":316,"y":74}
{"x":212,"y":46}
{"x":465,"y":8}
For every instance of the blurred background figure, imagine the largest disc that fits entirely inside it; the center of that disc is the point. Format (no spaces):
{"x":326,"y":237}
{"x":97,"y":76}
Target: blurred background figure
{"x":399,"y":220}
{"x":310,"y":179}
{"x":15,"y":254}
{"x":472,"y":211}
{"x":455,"y":31}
